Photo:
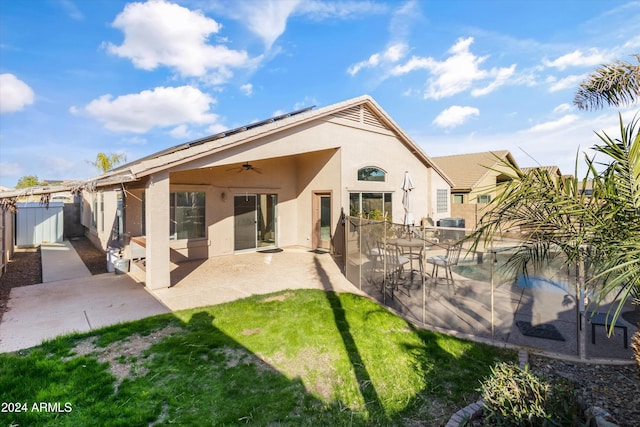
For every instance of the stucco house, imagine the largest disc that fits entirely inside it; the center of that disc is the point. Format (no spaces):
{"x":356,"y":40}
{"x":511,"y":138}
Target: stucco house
{"x":475,"y":178}
{"x":285,"y":181}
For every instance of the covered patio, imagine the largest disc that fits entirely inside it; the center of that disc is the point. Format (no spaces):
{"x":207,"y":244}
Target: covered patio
{"x":226,"y":278}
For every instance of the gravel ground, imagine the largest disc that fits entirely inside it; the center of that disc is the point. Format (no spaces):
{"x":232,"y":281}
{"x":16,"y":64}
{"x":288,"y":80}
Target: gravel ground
{"x":611,"y":387}
{"x":95,"y":259}
{"x":23,"y":269}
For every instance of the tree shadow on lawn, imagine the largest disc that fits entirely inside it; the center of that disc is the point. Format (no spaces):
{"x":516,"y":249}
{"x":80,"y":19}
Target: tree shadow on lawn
{"x":197,"y":374}
{"x":445,"y":364}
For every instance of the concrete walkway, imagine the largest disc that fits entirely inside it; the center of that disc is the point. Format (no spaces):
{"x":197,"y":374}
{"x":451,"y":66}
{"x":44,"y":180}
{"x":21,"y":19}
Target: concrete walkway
{"x":69,"y":300}
{"x":60,"y":261}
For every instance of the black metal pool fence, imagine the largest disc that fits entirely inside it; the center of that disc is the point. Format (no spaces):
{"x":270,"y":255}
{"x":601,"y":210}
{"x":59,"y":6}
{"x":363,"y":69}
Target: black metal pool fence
{"x":419,"y":273}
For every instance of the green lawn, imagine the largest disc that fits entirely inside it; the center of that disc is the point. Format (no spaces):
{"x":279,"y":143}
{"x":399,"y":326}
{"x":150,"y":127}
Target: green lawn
{"x":291,"y":358}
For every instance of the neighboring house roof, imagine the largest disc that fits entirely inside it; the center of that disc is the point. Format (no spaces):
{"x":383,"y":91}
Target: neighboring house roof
{"x":468,"y":170}
{"x":372,"y":115}
{"x":553,"y":170}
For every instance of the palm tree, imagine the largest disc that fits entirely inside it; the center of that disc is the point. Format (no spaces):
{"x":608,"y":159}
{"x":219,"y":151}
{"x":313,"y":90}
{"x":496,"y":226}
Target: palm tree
{"x":614,"y":84}
{"x":559,"y":218}
{"x":105,"y":162}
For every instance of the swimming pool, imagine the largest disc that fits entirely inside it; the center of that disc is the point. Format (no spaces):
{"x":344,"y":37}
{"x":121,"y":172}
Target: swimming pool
{"x":542,"y":284}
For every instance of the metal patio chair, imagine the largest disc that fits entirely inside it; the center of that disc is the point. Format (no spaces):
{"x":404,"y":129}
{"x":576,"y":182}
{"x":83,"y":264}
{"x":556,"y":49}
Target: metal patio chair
{"x":446,"y":261}
{"x":394,"y":266}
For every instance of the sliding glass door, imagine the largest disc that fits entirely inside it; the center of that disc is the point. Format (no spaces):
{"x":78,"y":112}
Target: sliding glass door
{"x":254,"y":221}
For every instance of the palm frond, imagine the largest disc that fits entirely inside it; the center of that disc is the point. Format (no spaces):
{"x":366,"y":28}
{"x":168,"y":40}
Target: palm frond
{"x":614,"y":84}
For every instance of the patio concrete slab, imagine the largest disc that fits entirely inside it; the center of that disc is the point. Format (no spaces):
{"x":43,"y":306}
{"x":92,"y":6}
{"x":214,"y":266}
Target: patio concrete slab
{"x":227,"y":278}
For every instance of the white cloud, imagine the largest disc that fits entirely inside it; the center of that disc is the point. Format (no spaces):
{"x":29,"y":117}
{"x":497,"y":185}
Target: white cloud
{"x":265,"y":18}
{"x":577,"y":59}
{"x":160,"y":33}
{"x":268,"y":19}
{"x":455,"y":116}
{"x":562,"y":108}
{"x":180,"y":132}
{"x":320,"y":10}
{"x":400,"y":24}
{"x":502,"y":76}
{"x":247,"y":89}
{"x":14,"y":94}
{"x":457,"y":73}
{"x":59,"y":164}
{"x":10,"y":169}
{"x":160,"y":107}
{"x":392,"y":54}
{"x":136,"y":140}
{"x":216,"y":128}
{"x":403,"y":19}
{"x":72,"y":10}
{"x":553,"y":124}
{"x":569,"y":82}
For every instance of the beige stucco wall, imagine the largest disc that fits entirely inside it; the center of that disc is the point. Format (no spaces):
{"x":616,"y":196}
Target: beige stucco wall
{"x":299,"y":161}
{"x":320,"y":156}
{"x":486,"y":185}
{"x":100,"y":233}
{"x":438,"y":183}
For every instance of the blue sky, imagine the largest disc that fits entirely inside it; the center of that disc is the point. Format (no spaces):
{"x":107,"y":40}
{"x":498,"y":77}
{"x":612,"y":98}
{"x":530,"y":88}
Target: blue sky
{"x":79,"y":77}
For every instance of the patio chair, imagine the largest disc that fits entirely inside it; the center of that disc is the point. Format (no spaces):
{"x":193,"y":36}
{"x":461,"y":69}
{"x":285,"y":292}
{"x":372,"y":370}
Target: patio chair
{"x":375,"y":253}
{"x":394,"y":266}
{"x":446,"y":261}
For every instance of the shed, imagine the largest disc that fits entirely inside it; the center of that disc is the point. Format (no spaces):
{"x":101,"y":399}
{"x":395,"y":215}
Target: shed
{"x":37,"y":223}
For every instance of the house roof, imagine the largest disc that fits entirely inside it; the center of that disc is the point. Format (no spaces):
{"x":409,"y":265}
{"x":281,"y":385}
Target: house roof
{"x":362,"y":109}
{"x":468,"y":170}
{"x":553,"y":170}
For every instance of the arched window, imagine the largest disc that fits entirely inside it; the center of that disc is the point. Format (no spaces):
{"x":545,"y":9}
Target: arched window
{"x":371,"y":173}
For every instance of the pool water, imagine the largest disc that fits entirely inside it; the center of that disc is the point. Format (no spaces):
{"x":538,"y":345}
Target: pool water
{"x":542,"y":284}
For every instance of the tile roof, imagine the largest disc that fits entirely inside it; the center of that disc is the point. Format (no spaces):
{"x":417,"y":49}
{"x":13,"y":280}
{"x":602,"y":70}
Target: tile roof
{"x":467,"y":170}
{"x":553,"y":170}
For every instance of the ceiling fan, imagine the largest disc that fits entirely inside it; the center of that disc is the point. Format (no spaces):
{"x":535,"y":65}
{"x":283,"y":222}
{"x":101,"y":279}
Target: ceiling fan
{"x":245,"y":167}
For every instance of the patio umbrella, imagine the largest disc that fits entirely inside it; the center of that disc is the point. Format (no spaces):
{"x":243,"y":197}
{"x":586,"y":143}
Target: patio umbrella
{"x":407,"y":199}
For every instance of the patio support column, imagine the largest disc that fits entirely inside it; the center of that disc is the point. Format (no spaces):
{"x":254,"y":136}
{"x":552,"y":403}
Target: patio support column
{"x":157,"y":231}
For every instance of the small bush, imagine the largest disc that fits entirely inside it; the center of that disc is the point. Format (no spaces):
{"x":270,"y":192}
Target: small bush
{"x":517,"y":397}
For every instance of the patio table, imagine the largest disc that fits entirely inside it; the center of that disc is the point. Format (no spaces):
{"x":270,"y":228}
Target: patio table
{"x":411,"y":245}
